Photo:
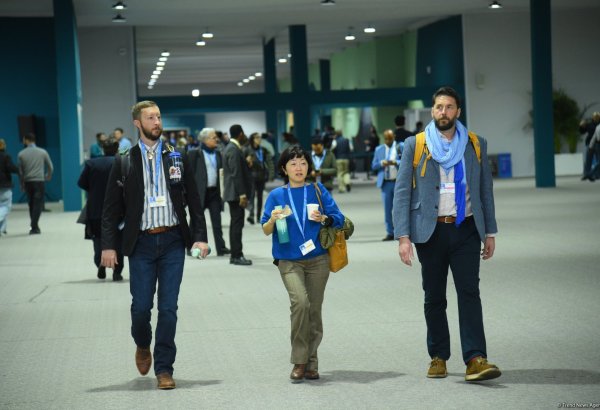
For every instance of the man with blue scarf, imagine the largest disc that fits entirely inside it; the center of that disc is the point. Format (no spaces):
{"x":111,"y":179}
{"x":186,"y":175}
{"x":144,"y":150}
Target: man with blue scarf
{"x":447,"y":210}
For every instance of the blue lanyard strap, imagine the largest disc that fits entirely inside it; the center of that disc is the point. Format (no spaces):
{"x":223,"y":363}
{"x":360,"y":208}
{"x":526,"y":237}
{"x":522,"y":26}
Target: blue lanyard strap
{"x":392,"y":154}
{"x":158,"y":155}
{"x":318,"y":161}
{"x":301,"y":227}
{"x":259,"y":154}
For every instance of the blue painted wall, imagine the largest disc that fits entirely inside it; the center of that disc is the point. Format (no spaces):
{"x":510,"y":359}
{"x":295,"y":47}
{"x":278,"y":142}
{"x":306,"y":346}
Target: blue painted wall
{"x":440,"y":57}
{"x":28,"y":75}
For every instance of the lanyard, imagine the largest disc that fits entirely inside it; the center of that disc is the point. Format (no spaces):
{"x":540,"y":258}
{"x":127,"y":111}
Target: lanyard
{"x":301,"y":227}
{"x":259,"y":154}
{"x":318,"y":161}
{"x":158,"y":155}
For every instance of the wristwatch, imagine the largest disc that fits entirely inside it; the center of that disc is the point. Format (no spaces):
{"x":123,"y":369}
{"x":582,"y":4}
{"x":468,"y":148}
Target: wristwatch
{"x":324,"y":221}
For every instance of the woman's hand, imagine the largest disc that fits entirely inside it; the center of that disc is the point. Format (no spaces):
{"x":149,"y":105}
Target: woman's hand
{"x":275,"y":215}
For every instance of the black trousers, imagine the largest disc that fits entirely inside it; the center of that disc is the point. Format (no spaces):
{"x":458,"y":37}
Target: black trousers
{"x":94,"y":228}
{"x":235,"y":228}
{"x":35,"y":194}
{"x":457,"y":249}
{"x":212,"y":202}
{"x":258,"y":188}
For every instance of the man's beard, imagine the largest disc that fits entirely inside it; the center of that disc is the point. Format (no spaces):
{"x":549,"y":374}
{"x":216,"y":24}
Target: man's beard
{"x":447,"y":126}
{"x":149,"y":134}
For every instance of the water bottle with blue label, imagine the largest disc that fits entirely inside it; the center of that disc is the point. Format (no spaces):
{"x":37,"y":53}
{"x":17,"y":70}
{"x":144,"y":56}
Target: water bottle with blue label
{"x":175,"y":167}
{"x":282,"y":229}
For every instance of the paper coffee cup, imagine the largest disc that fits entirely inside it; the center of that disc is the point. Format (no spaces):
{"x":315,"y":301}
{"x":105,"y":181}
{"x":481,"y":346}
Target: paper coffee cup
{"x":310,"y":208}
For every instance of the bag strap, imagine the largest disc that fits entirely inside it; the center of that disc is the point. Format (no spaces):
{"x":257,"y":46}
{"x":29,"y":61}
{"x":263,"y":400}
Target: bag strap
{"x":319,"y":196}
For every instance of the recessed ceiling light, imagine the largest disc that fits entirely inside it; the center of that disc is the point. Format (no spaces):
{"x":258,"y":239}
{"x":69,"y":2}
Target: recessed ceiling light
{"x":119,"y":6}
{"x":369,"y":29}
{"x":154,"y":76}
{"x":157,"y":72}
{"x":327,"y":2}
{"x":240,"y":84}
{"x":258,"y":74}
{"x":207,"y":34}
{"x":159,"y":68}
{"x":195,"y":92}
{"x":495,"y":5}
{"x":200,"y":43}
{"x":165,"y":54}
{"x":349,"y":37}
{"x":245,"y":80}
{"x":163,"y":59}
{"x":252,"y":78}
{"x":161,"y":63}
{"x":119,"y":19}
{"x":282,"y":60}
{"x":150,"y":87}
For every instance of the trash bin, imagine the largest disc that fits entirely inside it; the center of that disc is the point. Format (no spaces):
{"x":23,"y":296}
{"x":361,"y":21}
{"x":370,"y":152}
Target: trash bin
{"x":504,"y":166}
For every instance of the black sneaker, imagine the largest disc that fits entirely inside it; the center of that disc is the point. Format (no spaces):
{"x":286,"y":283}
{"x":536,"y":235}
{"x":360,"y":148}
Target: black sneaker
{"x":101,"y":272}
{"x":117,"y":277}
{"x":35,"y":231}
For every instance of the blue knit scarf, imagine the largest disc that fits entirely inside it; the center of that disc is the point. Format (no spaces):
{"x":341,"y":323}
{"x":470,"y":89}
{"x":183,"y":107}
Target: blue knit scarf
{"x":451,"y":154}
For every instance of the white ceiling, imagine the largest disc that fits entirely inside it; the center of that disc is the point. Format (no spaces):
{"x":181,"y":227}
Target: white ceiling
{"x":240,"y":27}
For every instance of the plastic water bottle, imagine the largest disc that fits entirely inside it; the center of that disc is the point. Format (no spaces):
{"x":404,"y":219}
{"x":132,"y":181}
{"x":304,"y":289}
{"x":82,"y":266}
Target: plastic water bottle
{"x":196,"y":253}
{"x":282,"y":230}
{"x":175,"y":167}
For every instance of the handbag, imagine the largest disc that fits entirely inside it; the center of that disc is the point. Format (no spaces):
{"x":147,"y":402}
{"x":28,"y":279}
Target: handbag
{"x":334,"y":240}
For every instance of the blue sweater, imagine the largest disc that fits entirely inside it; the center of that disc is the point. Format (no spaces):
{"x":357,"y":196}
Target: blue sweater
{"x":291,"y":250}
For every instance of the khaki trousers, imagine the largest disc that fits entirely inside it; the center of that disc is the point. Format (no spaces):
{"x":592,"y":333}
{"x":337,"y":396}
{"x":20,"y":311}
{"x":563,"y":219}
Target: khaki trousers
{"x":343,"y":174}
{"x":305,"y":282}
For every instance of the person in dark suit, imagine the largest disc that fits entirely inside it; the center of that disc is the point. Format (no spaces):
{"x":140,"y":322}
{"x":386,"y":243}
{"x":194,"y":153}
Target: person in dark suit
{"x":260,"y":162}
{"x":401,"y":133}
{"x":94,"y":179}
{"x":446,"y":208}
{"x":147,"y":200}
{"x":237,"y":185}
{"x":205,"y":165}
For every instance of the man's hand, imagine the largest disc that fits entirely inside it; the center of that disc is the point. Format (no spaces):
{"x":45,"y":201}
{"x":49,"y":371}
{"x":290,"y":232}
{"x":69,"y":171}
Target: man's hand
{"x":405,"y":250}
{"x":109,"y":258}
{"x":488,"y":248}
{"x":203,"y":246}
{"x":243,"y":202}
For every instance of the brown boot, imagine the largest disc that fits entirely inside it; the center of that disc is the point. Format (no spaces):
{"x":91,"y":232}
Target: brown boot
{"x":311,"y":374}
{"x":143,"y":360}
{"x":165,"y":381}
{"x":437,"y":368}
{"x":479,"y":369}
{"x":297,"y":373}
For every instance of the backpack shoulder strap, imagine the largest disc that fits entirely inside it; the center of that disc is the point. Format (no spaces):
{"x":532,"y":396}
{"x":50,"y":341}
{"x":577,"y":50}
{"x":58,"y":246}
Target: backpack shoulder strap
{"x":420,"y":149}
{"x":475,"y":141}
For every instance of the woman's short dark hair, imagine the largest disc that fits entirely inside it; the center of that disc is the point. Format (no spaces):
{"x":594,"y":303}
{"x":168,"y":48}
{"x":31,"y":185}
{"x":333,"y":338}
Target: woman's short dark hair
{"x":291,"y":152}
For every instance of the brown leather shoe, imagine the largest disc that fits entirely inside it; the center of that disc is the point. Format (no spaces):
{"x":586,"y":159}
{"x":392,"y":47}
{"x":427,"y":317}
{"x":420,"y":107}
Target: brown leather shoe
{"x":165,"y":381}
{"x":479,"y":369}
{"x":437,"y":368}
{"x":143,"y":360}
{"x":297,"y":372}
{"x":311,"y":374}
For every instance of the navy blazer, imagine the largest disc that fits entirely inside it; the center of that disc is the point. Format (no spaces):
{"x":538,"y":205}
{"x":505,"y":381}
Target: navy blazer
{"x":124,"y":202}
{"x":415,"y":210}
{"x":94,"y":179}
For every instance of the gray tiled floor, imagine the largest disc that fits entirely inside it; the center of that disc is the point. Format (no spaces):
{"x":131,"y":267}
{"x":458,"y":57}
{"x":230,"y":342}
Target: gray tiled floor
{"x":64,"y":335}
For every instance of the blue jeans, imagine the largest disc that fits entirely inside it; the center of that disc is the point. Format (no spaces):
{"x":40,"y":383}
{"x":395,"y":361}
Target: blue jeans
{"x":387,"y":196}
{"x":156,"y":258}
{"x":5,"y":206}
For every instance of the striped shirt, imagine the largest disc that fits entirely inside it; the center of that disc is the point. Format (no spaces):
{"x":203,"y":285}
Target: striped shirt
{"x":154,"y":217}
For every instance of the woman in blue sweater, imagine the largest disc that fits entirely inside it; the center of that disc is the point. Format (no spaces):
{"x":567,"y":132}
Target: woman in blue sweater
{"x":302,"y":261}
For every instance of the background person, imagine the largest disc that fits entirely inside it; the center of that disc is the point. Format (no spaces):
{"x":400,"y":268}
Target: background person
{"x":35,"y":168}
{"x":206,"y":164}
{"x":385,"y":163}
{"x":260,"y":162}
{"x":302,"y":262}
{"x":94,"y":179}
{"x":6,"y":169}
